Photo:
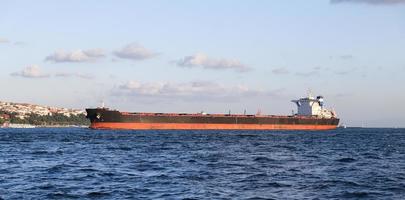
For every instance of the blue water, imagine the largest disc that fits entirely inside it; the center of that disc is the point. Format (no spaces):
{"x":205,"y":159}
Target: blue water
{"x":78,"y":163}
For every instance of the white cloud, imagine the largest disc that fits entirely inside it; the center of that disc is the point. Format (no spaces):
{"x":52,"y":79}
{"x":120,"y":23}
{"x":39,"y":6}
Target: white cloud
{"x":94,"y":53}
{"x":32,"y":71}
{"x":4,"y":40}
{"x":280,"y":70}
{"x":346,"y":71}
{"x":134,"y":51}
{"x":375,"y":2}
{"x":76,"y":55}
{"x":307,"y":74}
{"x":20,"y":43}
{"x":77,"y":75}
{"x":346,"y":57}
{"x":202,"y":60}
{"x":194,"y":90}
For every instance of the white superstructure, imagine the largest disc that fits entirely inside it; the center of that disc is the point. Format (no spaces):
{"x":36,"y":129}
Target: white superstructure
{"x":311,"y":106}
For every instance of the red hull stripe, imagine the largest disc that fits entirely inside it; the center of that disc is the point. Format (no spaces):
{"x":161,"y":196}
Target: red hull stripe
{"x":190,"y":126}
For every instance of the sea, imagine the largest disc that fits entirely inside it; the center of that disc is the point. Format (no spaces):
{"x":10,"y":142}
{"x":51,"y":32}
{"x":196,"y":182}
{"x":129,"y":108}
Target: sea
{"x":79,"y":163}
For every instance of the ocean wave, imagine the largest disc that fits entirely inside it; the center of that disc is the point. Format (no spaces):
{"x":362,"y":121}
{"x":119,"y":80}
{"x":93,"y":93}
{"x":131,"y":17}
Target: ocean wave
{"x":85,"y":164}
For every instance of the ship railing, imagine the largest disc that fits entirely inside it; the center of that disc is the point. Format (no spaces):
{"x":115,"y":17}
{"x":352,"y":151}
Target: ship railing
{"x":218,"y":115}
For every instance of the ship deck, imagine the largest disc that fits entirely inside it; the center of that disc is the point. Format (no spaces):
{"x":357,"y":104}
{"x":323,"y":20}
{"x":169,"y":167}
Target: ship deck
{"x":216,"y":115}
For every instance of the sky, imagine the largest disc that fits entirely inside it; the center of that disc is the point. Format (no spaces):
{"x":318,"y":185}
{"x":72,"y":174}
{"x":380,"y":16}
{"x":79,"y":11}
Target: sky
{"x":211,"y":56}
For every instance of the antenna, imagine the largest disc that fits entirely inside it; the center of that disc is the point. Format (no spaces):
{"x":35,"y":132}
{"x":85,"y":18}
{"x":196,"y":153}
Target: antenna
{"x":102,"y":104}
{"x":309,"y":93}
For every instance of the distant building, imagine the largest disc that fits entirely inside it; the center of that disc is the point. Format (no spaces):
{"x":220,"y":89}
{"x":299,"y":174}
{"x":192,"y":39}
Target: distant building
{"x":23,"y":110}
{"x":5,"y":117}
{"x":4,"y":120}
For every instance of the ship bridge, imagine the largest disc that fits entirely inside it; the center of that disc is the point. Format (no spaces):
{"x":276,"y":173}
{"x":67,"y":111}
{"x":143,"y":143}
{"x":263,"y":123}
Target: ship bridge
{"x":311,"y":106}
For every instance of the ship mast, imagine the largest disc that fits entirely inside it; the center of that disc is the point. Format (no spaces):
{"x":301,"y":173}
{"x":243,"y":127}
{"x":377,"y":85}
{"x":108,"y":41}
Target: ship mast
{"x":309,"y":93}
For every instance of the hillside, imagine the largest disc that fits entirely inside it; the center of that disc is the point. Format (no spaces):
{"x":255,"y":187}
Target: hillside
{"x":25,"y":113}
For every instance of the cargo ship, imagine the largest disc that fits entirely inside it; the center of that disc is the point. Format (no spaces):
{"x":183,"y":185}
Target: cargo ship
{"x":310,"y":115}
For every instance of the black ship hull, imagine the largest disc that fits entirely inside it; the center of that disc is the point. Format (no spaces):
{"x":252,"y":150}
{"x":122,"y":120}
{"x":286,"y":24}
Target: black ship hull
{"x":110,"y":119}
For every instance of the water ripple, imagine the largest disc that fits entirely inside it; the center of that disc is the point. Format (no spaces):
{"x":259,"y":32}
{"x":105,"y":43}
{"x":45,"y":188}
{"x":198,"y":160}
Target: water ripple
{"x":75,"y":163}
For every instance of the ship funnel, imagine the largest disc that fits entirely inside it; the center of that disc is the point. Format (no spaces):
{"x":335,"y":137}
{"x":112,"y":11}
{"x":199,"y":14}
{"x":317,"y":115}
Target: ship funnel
{"x":320,"y":100}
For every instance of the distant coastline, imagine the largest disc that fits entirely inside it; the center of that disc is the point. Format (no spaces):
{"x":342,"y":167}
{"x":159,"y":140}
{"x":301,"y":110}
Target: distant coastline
{"x":41,"y":126}
{"x":24,"y":115}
